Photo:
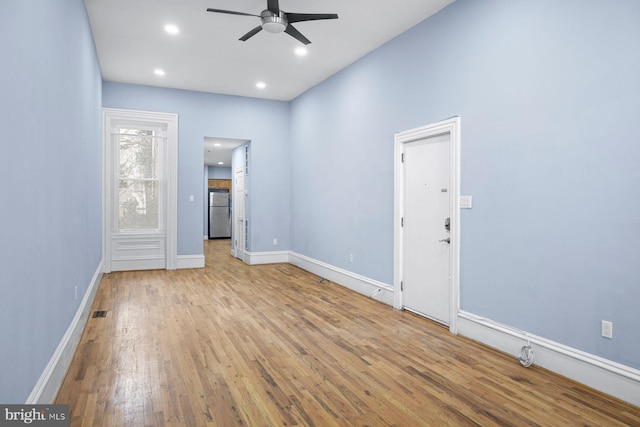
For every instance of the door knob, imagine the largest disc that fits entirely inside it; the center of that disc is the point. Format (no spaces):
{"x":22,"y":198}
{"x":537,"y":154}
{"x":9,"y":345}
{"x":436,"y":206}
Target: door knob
{"x":447,"y":240}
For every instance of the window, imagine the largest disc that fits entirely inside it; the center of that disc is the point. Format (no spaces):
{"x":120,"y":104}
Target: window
{"x":139,"y":179}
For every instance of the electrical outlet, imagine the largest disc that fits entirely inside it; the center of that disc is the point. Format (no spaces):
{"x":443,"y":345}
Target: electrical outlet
{"x":350,"y":257}
{"x":607,"y":329}
{"x":275,"y":242}
{"x":76,"y":293}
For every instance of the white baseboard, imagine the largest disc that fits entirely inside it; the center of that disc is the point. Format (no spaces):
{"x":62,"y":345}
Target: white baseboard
{"x":363,"y":285}
{"x":609,"y":377}
{"x":139,"y":263}
{"x":190,"y":261}
{"x":274,"y":257}
{"x":47,"y":387}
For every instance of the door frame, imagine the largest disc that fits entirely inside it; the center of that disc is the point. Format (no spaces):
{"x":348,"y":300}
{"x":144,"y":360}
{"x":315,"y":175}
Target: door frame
{"x":110,"y":115}
{"x":452,"y":127}
{"x":236,"y":230}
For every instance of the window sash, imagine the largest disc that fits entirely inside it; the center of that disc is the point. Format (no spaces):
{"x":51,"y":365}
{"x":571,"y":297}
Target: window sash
{"x":138,"y":178}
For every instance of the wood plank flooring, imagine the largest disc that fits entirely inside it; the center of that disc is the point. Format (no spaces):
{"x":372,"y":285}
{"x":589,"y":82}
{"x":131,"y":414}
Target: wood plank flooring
{"x":234,"y":345}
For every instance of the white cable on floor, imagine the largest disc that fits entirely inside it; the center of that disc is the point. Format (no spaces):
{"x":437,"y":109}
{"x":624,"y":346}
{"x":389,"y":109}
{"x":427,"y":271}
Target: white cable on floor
{"x":526,"y":353}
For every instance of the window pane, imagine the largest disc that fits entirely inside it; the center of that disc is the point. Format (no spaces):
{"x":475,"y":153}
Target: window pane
{"x":138,"y":205}
{"x":138,"y":153}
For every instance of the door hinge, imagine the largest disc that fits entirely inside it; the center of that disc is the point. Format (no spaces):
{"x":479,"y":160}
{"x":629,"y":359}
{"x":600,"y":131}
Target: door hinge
{"x":402,"y":222}
{"x":401,"y":285}
{"x":402,"y":157}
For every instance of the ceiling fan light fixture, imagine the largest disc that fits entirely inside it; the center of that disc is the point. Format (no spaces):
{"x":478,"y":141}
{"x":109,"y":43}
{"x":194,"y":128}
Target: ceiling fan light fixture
{"x":273,"y":23}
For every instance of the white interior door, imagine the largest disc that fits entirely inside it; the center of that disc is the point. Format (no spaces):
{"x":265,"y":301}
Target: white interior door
{"x":139,"y":190}
{"x":426,"y":224}
{"x":239,"y":192}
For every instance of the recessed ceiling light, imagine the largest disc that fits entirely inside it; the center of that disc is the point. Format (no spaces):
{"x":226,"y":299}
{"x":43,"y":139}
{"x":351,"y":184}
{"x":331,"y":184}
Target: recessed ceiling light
{"x":261,"y":85}
{"x":221,"y":163}
{"x":217,"y":144}
{"x":158,"y":72}
{"x":171,"y":29}
{"x":301,"y":51}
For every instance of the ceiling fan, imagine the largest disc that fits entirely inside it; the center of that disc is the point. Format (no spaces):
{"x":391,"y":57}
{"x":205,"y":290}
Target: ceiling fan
{"x":274,"y":20}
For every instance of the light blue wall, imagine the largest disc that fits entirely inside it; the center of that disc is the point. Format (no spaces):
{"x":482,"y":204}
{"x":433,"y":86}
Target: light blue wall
{"x":265,"y":123}
{"x":216,"y":172}
{"x":50,"y":181}
{"x":549,"y":96}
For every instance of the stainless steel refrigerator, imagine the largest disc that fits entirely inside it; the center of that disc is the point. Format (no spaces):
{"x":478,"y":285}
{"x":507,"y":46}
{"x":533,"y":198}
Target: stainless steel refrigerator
{"x":219,"y":215}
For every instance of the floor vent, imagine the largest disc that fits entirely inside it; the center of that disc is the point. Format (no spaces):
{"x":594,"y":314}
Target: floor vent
{"x":99,"y":313}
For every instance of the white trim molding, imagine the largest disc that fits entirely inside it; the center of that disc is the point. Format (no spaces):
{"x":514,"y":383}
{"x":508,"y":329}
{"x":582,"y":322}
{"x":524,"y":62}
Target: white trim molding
{"x":449,"y":126}
{"x":273,"y":257}
{"x":605,"y":375}
{"x":360,"y":284}
{"x":46,"y":389}
{"x":190,"y":261}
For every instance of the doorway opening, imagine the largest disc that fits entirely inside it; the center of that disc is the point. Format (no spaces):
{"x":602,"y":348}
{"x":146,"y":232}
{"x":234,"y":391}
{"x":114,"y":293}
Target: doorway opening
{"x":427,"y":227}
{"x":222,"y":209}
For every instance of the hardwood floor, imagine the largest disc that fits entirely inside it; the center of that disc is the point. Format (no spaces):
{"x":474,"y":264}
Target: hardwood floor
{"x":233,"y":345}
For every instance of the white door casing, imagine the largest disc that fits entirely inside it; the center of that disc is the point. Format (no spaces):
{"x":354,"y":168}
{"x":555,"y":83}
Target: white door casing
{"x":425,"y":251}
{"x":421,"y":234}
{"x":141,"y":248}
{"x":239,"y":192}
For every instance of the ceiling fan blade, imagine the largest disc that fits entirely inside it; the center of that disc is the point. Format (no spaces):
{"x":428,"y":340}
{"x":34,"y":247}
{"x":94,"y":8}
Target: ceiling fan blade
{"x":231,"y":12}
{"x":251,"y":33}
{"x":273,"y":6}
{"x":300,"y":17}
{"x":296,"y":34}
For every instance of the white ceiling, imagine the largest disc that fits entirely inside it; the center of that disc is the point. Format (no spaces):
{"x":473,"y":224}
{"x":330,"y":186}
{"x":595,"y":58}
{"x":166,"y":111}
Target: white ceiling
{"x":219,"y":150}
{"x":207,"y":56}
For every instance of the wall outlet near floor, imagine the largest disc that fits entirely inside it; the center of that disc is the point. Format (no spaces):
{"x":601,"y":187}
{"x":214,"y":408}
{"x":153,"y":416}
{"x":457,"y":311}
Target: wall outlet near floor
{"x":607,"y":329}
{"x":350,"y":257}
{"x":275,"y":242}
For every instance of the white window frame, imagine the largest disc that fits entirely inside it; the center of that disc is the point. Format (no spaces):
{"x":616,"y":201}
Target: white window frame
{"x":161,"y":173}
{"x":113,"y":118}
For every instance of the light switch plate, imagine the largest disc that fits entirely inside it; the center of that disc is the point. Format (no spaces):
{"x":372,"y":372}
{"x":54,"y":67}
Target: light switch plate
{"x":465,"y":202}
{"x":607,"y":329}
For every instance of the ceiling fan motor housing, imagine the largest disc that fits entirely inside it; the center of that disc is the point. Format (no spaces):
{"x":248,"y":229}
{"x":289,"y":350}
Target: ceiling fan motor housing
{"x":273,"y":22}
